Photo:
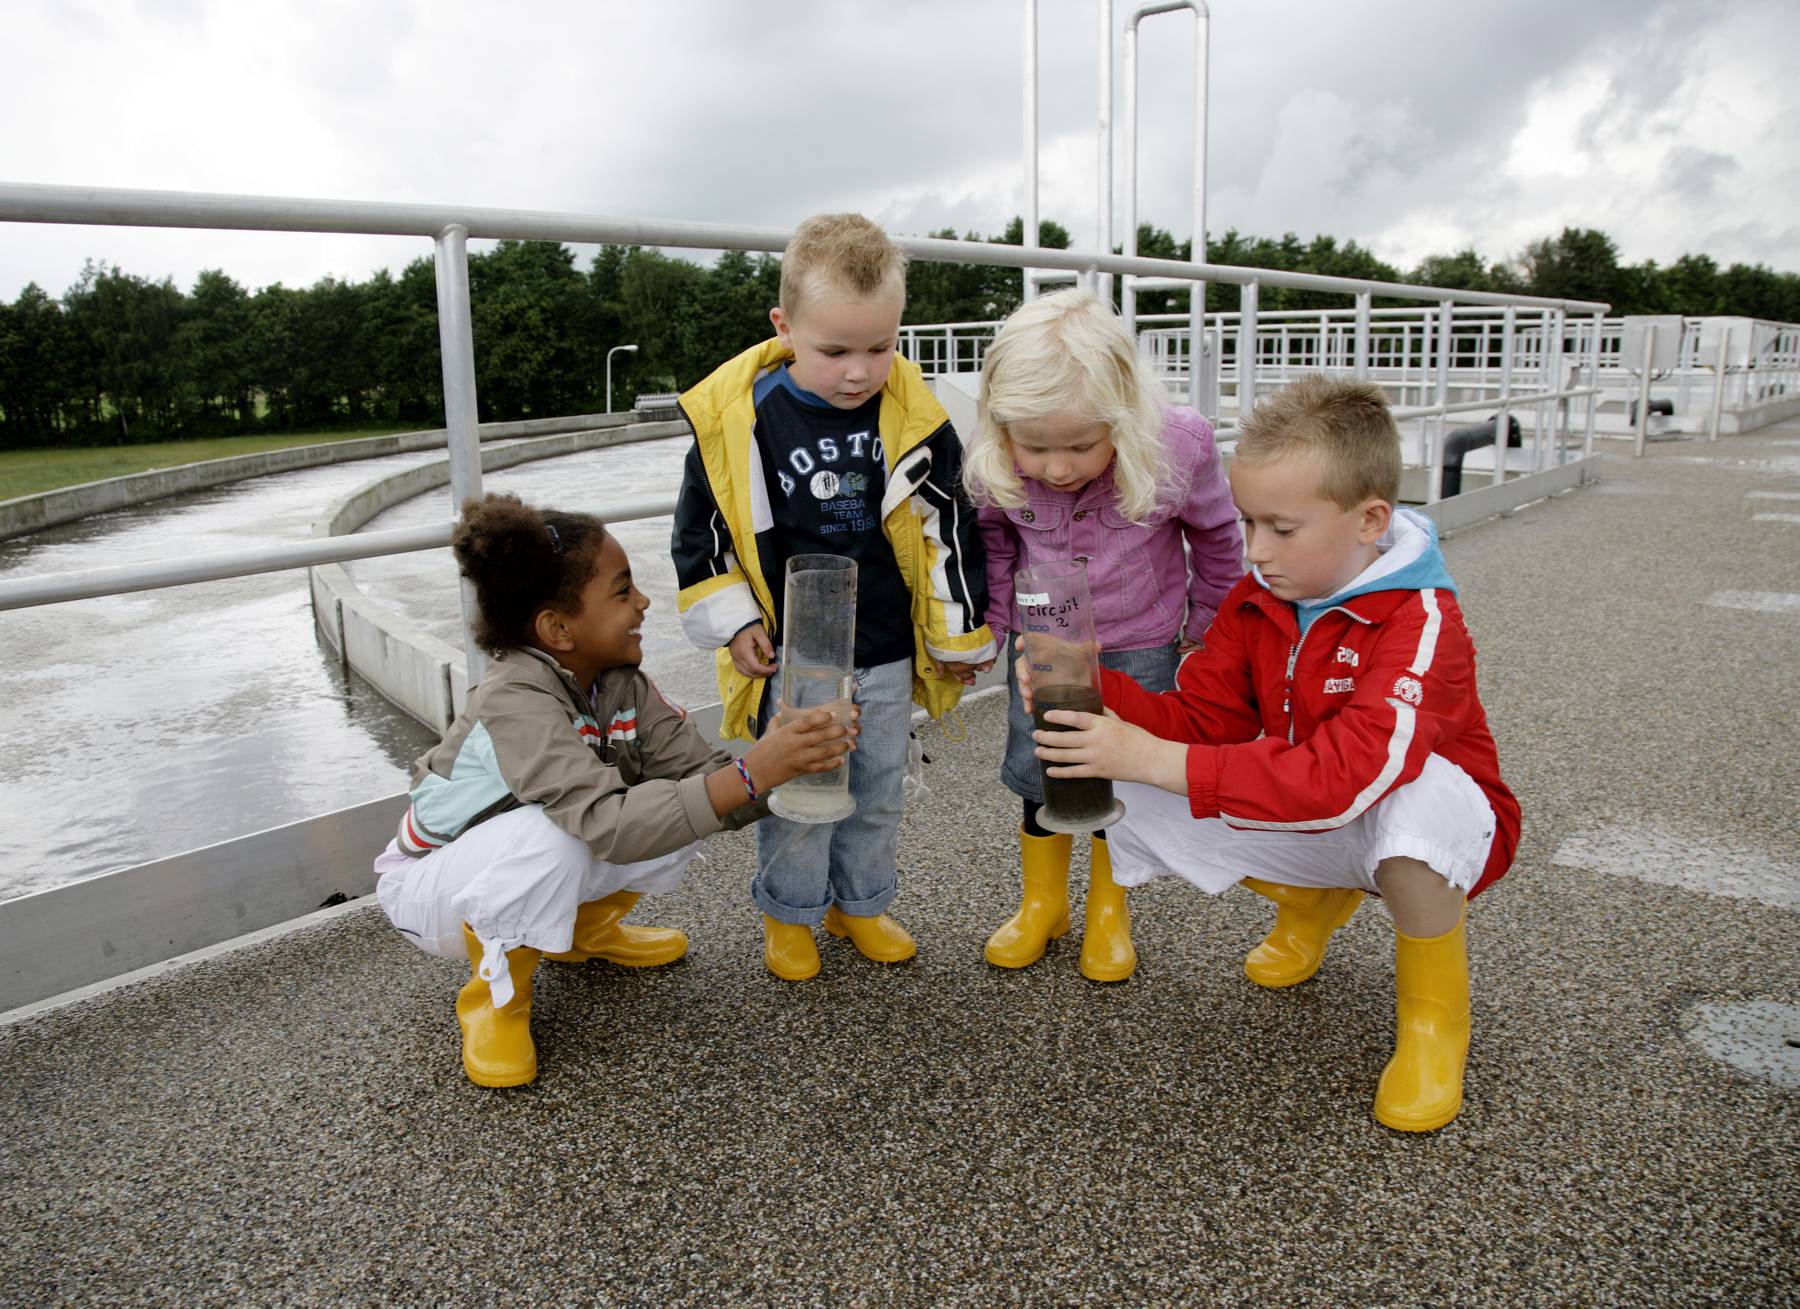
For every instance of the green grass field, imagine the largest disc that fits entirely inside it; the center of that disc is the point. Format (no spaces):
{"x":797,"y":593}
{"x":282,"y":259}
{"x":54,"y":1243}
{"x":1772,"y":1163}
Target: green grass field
{"x":27,"y":472}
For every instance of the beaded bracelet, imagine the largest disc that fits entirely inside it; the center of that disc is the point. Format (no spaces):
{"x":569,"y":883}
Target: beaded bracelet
{"x":744,"y":773}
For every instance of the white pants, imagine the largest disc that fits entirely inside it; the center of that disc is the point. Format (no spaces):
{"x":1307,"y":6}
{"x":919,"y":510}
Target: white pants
{"x":516,"y":879}
{"x":1440,"y":818}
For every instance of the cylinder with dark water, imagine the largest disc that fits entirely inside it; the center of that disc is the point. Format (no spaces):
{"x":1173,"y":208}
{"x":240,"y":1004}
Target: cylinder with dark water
{"x":1056,"y":632}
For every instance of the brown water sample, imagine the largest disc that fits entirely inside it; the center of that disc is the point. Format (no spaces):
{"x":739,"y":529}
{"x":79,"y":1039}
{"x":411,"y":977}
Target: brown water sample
{"x":1071,"y":799}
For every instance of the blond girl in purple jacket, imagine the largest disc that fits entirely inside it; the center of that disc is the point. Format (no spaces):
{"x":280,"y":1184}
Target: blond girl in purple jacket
{"x":1077,"y":454}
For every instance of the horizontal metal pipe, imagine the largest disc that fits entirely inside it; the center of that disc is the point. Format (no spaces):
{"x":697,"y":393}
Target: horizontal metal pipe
{"x":24,"y":202}
{"x":85,"y":584}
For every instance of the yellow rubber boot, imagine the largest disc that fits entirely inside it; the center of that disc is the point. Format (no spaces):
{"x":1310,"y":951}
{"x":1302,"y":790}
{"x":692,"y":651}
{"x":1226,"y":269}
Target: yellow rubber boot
{"x":1043,"y":907}
{"x":497,"y":1045}
{"x":600,"y":934}
{"x":876,"y":936}
{"x":1305,"y":918}
{"x":1421,"y":1088}
{"x":1107,"y":954}
{"x":789,"y":950}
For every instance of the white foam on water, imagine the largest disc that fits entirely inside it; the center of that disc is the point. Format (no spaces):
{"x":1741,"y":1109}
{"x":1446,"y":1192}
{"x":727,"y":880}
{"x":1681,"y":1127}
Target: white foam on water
{"x":1772,"y":495}
{"x":1775,"y":518}
{"x":1761,"y":602}
{"x":1648,"y":853}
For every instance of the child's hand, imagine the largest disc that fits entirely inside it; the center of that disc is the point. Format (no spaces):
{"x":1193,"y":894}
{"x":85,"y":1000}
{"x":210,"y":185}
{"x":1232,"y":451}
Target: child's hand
{"x":1105,"y":745}
{"x":964,"y":673}
{"x":803,"y":741}
{"x":752,"y":654}
{"x":1022,"y":669}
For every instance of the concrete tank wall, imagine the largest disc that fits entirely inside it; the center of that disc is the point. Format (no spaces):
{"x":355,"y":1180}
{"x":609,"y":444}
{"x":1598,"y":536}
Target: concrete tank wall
{"x":415,"y":670}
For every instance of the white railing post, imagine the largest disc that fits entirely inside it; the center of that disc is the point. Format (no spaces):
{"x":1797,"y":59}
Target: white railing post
{"x":1436,"y":462}
{"x":1364,"y":301}
{"x":1246,"y":350}
{"x":1509,"y":327}
{"x":1718,"y":395}
{"x":456,"y":343}
{"x":1197,"y":349}
{"x":1643,"y":401}
{"x":1593,"y":381}
{"x":1553,"y":369}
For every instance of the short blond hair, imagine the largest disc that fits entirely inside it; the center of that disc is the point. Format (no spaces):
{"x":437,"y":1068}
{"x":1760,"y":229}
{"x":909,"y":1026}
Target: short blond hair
{"x":1345,"y":422}
{"x":845,"y":252}
{"x":1069,"y":353}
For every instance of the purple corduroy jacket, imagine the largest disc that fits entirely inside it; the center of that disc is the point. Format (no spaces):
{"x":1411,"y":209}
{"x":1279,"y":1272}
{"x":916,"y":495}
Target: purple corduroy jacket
{"x":1145,"y":589}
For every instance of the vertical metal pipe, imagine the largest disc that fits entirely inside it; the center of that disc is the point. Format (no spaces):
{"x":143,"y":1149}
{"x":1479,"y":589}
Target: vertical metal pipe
{"x":1718,"y":395}
{"x":1364,"y":301}
{"x":1197,"y":250}
{"x":1029,"y":234}
{"x":1127,"y":288}
{"x":1643,"y":402}
{"x":1104,"y":226}
{"x":456,"y":344}
{"x":1246,"y":349}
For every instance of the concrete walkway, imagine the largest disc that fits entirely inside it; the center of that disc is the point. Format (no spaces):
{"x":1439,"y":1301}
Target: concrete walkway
{"x":289,"y":1123}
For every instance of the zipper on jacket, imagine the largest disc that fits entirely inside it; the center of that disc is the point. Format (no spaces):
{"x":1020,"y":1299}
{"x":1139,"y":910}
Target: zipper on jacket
{"x":1287,"y":690}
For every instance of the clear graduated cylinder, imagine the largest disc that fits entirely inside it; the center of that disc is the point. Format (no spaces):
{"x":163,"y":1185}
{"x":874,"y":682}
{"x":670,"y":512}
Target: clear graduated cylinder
{"x":818,"y":652}
{"x":1056,"y":629}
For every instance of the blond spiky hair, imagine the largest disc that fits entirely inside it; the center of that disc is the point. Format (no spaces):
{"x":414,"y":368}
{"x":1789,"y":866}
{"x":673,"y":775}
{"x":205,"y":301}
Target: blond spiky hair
{"x":843,"y":251}
{"x":1343,"y":421}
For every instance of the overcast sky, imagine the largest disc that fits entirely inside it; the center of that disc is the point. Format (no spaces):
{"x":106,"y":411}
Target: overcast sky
{"x":1411,"y":126}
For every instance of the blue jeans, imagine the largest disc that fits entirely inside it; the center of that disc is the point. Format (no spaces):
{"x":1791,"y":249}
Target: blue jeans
{"x":803,"y":868}
{"x":1152,"y":668}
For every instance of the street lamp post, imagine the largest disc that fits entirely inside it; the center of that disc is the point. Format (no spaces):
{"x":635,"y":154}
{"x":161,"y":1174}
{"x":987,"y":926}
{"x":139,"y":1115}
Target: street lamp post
{"x":609,"y":354}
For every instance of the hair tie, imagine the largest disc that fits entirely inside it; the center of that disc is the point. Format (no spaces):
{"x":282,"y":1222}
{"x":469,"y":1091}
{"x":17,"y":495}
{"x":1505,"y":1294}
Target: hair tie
{"x":555,"y":540}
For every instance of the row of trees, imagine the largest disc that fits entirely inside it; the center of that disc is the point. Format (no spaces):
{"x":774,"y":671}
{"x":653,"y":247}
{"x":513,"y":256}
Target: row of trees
{"x":119,"y":358}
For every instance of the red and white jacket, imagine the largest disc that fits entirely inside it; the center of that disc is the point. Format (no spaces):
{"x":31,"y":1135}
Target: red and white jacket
{"x":1301,"y":734}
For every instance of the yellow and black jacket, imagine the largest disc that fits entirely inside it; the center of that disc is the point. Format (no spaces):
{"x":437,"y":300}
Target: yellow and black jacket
{"x":925,"y":515}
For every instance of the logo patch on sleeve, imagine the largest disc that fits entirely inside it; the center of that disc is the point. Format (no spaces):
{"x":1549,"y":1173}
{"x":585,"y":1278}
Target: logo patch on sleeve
{"x":1411,"y":690}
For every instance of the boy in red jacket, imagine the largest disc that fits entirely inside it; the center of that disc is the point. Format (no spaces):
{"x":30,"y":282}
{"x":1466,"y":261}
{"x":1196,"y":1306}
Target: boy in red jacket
{"x":1328,"y":737}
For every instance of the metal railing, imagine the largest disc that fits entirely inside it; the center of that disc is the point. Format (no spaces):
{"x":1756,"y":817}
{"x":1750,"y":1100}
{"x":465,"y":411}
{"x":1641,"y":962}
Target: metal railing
{"x":449,"y":228}
{"x":96,"y":928}
{"x":1722,"y":365}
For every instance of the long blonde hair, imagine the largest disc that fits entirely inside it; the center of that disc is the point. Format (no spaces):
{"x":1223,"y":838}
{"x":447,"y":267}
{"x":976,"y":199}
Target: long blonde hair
{"x":1065,"y":353}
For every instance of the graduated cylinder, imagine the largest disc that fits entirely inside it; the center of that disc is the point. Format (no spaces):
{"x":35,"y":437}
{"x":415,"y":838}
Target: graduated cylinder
{"x":818,"y":652}
{"x":1056,"y":629}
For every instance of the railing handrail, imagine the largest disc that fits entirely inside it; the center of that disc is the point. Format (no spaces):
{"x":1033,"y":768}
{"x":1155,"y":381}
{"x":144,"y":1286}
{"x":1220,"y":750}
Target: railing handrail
{"x":28,"y":202}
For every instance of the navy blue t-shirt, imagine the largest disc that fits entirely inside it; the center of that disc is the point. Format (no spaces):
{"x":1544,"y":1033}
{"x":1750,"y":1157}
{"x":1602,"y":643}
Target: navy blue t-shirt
{"x":826,"y":473}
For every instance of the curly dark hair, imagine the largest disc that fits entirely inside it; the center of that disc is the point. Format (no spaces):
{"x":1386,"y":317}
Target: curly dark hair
{"x":522,"y":559}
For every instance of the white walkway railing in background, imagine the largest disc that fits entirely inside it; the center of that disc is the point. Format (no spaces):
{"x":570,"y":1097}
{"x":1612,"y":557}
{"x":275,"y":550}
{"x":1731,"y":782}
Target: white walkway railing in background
{"x":1758,"y":360}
